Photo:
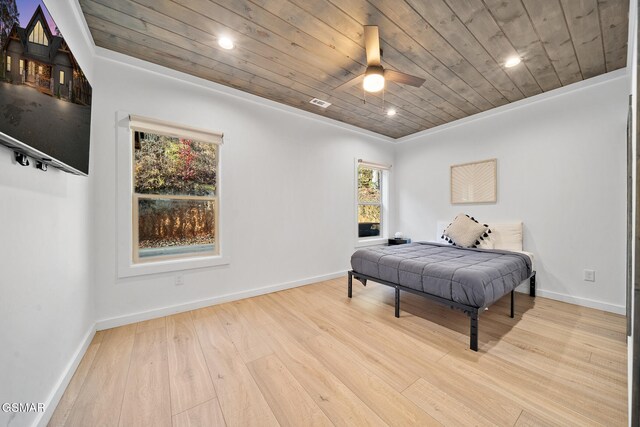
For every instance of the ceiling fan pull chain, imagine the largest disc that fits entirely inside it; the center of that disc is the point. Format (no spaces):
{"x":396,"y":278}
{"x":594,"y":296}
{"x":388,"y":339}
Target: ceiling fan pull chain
{"x":383,"y":89}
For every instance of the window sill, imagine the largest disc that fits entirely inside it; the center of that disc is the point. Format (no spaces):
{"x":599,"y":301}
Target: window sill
{"x":172,"y":265}
{"x":371,"y":242}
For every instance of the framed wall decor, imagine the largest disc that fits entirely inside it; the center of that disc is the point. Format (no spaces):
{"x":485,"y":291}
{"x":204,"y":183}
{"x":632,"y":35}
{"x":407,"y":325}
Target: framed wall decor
{"x":474,"y":182}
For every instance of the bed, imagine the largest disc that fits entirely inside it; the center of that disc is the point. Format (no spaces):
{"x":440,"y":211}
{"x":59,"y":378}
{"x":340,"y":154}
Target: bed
{"x":469,"y":279}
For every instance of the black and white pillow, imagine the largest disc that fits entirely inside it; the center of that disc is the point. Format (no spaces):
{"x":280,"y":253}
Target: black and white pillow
{"x":466,"y":231}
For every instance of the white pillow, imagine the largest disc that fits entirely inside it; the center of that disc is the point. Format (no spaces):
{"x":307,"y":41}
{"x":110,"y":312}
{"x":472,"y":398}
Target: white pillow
{"x":507,"y":236}
{"x":487,"y":243}
{"x":465,"y":231}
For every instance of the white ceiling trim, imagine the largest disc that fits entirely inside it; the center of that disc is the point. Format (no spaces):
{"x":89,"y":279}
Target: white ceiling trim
{"x":594,"y":81}
{"x":110,"y":55}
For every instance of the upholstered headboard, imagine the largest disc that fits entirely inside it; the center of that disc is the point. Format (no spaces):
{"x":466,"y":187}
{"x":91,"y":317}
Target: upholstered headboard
{"x":504,"y":235}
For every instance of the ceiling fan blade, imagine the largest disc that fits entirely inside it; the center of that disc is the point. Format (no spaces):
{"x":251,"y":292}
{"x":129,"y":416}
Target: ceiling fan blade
{"x":372,"y":44}
{"x":354,"y":81}
{"x":405,"y":79}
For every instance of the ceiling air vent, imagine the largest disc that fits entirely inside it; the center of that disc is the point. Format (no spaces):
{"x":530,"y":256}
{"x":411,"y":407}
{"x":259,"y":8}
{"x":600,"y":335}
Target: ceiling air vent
{"x":320,"y":103}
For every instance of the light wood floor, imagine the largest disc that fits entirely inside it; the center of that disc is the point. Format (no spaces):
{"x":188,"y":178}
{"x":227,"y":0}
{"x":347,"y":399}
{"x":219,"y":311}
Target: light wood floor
{"x":310,"y":356}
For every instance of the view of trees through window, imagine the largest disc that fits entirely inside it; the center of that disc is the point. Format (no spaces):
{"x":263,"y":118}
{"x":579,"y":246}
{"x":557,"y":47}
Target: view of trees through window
{"x":369,"y":201}
{"x":175,"y":183}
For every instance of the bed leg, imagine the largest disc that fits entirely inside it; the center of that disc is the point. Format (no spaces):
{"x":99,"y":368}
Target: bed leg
{"x":350,"y":284}
{"x":512,"y":303}
{"x":532,"y":285}
{"x":473,"y":336}
{"x":397,"y":301}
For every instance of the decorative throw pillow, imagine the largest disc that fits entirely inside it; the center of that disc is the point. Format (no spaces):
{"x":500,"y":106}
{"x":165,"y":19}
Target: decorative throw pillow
{"x":465,"y":231}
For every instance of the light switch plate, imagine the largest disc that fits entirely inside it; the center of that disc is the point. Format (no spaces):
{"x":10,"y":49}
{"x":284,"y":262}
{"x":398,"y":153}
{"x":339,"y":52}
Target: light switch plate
{"x":590,"y":275}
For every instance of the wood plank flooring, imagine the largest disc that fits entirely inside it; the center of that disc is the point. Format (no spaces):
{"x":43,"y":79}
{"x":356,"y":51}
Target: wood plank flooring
{"x":312,"y":357}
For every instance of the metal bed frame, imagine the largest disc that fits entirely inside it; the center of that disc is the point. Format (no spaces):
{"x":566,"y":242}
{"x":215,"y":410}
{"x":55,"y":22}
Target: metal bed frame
{"x":470,"y":311}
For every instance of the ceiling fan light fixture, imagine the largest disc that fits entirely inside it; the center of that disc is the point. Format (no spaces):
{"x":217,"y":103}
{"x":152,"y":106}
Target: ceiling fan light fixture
{"x":512,"y":61}
{"x":226,"y":43}
{"x":373,"y":79}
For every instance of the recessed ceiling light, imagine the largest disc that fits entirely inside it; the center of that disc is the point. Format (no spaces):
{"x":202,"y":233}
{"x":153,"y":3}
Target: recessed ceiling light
{"x":512,"y":62}
{"x":226,"y":43}
{"x":391,"y":112}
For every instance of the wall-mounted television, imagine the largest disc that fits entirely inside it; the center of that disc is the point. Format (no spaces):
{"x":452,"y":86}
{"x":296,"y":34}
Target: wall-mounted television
{"x":45,"y":98}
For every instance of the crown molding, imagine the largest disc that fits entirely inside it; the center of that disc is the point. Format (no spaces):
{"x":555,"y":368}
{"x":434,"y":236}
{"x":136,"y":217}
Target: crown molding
{"x":561,"y":91}
{"x":109,"y":55}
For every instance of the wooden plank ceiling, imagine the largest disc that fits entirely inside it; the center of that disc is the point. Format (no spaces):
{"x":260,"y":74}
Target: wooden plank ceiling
{"x":293,"y":51}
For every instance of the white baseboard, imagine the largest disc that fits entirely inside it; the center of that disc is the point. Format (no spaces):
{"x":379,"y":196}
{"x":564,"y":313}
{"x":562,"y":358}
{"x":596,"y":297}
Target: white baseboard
{"x":585,"y":302}
{"x":193,"y":305}
{"x":56,"y":394}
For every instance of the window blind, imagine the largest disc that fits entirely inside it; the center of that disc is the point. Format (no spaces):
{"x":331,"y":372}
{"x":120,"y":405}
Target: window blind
{"x":144,"y":124}
{"x":374,"y":165}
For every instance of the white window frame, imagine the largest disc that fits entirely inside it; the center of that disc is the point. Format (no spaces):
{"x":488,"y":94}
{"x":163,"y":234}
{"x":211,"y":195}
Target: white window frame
{"x":61,"y":77}
{"x":124,"y":206}
{"x":384,"y":212}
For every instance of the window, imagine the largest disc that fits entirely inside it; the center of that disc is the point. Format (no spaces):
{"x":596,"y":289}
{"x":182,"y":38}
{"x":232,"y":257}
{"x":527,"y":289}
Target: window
{"x":31,"y":68}
{"x":38,"y":35}
{"x":21,"y":67}
{"x":170,"y":211}
{"x":371,"y":200}
{"x":175,"y":201}
{"x":40,"y":70}
{"x":61,"y":77}
{"x":8,"y":63}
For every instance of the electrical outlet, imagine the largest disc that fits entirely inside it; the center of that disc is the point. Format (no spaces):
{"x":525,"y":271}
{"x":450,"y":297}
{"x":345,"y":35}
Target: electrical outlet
{"x":590,"y":275}
{"x":179,"y":281}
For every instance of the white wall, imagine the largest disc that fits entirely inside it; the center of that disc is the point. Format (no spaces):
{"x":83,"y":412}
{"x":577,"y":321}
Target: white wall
{"x":46,"y":298}
{"x":561,"y":170}
{"x":47,"y":309}
{"x":287,"y":179}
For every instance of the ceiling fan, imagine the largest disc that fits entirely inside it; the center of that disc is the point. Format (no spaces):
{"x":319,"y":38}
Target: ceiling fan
{"x":373,"y":79}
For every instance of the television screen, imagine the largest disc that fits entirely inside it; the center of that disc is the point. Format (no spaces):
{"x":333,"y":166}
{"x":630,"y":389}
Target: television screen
{"x":45,"y":99}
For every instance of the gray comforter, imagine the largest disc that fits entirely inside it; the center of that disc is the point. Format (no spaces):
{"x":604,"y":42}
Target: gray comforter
{"x":474,"y":277}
